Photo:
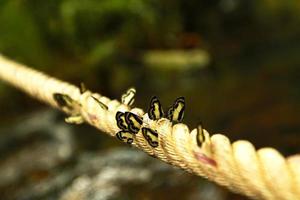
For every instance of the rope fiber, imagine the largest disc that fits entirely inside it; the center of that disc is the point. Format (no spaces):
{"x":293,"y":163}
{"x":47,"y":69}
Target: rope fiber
{"x":258,"y":174}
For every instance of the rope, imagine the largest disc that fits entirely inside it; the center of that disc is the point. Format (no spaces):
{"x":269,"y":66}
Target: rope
{"x":258,"y":174}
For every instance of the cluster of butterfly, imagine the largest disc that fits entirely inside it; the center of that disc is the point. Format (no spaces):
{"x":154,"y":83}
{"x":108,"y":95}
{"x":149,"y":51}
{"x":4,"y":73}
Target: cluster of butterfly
{"x":130,"y":123}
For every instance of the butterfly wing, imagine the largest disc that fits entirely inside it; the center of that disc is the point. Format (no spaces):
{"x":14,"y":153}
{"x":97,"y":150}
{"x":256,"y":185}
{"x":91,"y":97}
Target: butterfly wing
{"x":65,"y":102}
{"x":121,"y":121}
{"x":200,"y":136}
{"x":151,"y":136}
{"x":128,"y":97}
{"x":125,"y":136}
{"x":176,"y":112}
{"x":133,"y":121}
{"x":155,"y":111}
{"x":82,"y":88}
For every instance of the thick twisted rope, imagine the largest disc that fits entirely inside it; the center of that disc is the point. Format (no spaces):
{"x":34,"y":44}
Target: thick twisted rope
{"x":258,"y":174}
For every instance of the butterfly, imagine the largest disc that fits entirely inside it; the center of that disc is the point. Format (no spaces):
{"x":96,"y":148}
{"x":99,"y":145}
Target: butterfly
{"x":121,"y":121}
{"x":134,"y":122}
{"x":128,"y":97}
{"x":175,"y":112}
{"x":155,"y":110}
{"x":201,"y":137}
{"x":66,"y":103}
{"x":204,"y":143}
{"x":82,"y":88}
{"x":125,"y":136}
{"x":151,"y":136}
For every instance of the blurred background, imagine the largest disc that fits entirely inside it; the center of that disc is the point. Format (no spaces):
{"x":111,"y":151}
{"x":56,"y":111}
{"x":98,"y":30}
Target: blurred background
{"x":236,"y":62}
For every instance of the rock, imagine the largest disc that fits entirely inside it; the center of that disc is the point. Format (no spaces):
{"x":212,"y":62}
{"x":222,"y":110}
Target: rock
{"x":44,"y":158}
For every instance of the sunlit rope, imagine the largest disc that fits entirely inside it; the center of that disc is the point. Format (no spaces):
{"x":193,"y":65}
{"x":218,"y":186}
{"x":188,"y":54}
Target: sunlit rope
{"x":258,"y":174}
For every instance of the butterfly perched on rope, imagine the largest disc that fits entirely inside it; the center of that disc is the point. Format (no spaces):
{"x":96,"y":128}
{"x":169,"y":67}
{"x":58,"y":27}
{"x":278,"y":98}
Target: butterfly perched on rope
{"x":125,"y":136}
{"x":128,"y":97}
{"x":155,"y":110}
{"x":151,"y":136}
{"x":69,"y":105}
{"x":64,"y":101}
{"x":203,"y":141}
{"x":176,"y":111}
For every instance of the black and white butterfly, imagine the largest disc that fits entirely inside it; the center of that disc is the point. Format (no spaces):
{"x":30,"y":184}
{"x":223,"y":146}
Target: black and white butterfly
{"x":176,"y":111}
{"x":203,"y":141}
{"x":64,"y":101}
{"x":200,"y":137}
{"x":125,"y":136}
{"x":155,"y":110}
{"x":121,"y":121}
{"x":134,"y":122}
{"x":151,"y":136}
{"x":128,"y":97}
